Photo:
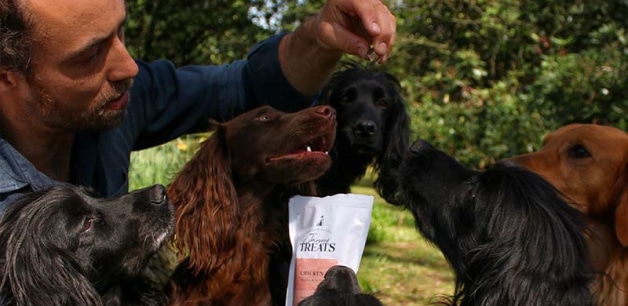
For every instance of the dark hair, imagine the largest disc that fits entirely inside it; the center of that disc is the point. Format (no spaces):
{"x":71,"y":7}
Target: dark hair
{"x":15,"y":39}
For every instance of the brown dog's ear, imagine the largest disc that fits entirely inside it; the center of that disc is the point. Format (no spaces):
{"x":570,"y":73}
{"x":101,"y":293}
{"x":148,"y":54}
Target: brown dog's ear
{"x":205,"y":200}
{"x":621,"y":207}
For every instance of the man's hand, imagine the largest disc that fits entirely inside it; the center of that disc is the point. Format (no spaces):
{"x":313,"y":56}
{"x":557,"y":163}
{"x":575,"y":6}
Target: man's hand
{"x":356,"y":26}
{"x":365,"y":28}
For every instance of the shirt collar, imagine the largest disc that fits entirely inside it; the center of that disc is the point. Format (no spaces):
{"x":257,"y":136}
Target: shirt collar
{"x":17,"y":172}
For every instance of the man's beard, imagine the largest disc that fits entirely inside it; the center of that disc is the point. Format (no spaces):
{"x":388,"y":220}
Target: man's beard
{"x":96,"y":118}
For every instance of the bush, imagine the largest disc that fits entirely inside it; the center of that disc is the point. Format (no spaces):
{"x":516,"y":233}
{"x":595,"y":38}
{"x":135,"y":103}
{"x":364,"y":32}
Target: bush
{"x":488,"y":79}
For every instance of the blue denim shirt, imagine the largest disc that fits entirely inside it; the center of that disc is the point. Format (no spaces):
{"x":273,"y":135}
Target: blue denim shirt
{"x":166,"y":103}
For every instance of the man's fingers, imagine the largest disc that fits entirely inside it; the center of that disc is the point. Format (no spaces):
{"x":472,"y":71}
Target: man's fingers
{"x":379,"y":24}
{"x":390,"y":41}
{"x":348,"y":41}
{"x":365,"y":28}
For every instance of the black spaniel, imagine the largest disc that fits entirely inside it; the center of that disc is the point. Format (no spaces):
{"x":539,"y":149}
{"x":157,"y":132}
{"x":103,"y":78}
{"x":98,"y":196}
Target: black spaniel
{"x":372,"y":131}
{"x":66,"y":246}
{"x":373,"y":128}
{"x":507,"y":233}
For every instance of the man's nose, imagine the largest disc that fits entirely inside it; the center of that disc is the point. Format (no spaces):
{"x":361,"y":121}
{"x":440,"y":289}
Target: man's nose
{"x":122,"y":65}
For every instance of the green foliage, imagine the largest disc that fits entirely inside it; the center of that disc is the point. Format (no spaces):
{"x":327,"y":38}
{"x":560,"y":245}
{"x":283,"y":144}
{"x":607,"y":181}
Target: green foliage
{"x":484,"y":79}
{"x":195,"y":32}
{"x":487,"y":79}
{"x":596,"y":79}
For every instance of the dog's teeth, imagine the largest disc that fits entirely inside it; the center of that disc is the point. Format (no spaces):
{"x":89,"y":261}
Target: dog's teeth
{"x":327,"y":152}
{"x":308,"y":149}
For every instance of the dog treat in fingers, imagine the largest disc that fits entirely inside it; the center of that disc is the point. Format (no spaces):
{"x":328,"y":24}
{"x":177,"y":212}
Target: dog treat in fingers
{"x":372,"y":56}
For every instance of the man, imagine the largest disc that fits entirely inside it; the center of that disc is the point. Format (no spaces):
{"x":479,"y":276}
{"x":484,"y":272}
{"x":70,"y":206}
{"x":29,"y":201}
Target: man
{"x":74,"y":104}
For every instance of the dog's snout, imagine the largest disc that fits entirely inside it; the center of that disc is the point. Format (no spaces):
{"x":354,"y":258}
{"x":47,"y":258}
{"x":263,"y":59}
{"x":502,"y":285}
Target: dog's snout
{"x":507,"y":163}
{"x":158,"y":195}
{"x":365,"y":128}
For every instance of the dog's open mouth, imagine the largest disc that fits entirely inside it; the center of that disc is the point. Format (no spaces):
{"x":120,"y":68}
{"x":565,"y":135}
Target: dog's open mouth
{"x":315,"y":146}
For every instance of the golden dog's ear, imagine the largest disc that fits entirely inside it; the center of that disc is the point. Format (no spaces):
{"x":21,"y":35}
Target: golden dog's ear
{"x":621,"y":207}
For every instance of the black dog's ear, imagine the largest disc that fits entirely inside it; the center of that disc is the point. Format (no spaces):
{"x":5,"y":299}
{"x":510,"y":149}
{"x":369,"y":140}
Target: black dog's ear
{"x":397,"y":123}
{"x":397,"y":139}
{"x":34,"y":271}
{"x":345,"y":68}
{"x":550,"y":224}
{"x":327,"y":91}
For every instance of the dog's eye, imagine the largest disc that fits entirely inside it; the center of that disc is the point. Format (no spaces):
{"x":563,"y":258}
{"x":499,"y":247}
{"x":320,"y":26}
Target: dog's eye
{"x":382,"y":103}
{"x":468,"y":191}
{"x":348,"y":97}
{"x":471,"y":194}
{"x":345,"y":100}
{"x":578,"y":151}
{"x":263,"y":117}
{"x":87,"y":223}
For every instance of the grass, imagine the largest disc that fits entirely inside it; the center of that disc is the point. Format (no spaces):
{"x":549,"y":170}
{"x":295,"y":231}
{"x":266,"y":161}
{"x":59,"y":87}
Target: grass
{"x":398,"y":265}
{"x":160,"y":164}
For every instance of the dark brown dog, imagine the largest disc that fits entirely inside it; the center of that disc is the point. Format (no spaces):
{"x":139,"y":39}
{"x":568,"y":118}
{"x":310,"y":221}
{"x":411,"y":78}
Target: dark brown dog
{"x":588,"y":163}
{"x":231,"y":201}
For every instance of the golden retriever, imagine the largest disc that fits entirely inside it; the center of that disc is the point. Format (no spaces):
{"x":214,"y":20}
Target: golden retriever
{"x":588,"y":163}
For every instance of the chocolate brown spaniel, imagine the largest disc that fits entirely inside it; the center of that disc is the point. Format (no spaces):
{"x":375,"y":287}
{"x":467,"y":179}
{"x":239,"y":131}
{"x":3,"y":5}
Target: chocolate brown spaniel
{"x":231,"y":201}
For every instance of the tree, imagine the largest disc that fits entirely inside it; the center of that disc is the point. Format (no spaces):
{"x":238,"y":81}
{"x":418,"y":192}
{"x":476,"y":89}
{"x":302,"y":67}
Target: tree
{"x":195,"y":32}
{"x":484,"y":79}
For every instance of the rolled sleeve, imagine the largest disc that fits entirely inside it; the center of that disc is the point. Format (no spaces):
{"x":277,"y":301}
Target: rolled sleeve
{"x":167,"y":102}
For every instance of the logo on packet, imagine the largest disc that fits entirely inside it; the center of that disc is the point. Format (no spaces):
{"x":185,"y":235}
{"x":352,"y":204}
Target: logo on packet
{"x":318,"y":239}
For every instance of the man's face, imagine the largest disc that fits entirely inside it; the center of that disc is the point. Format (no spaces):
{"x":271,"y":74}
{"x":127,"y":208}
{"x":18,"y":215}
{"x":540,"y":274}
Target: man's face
{"x":81,"y":69}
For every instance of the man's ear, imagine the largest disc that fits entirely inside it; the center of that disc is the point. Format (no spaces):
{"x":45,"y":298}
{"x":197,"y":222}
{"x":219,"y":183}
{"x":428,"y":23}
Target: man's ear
{"x":9,"y":79}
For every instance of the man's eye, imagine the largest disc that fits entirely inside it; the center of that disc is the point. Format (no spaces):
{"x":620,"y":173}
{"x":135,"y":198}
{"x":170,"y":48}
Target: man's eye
{"x":91,"y":57}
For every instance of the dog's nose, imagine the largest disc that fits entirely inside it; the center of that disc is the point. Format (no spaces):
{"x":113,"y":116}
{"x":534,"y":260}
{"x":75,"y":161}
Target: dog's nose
{"x":420,"y":145}
{"x":507,"y":163}
{"x":326,"y":111}
{"x":158,"y":195}
{"x":365,"y":129}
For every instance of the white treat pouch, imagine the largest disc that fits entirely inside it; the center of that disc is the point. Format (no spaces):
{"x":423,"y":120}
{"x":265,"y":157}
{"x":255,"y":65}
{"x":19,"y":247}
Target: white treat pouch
{"x":325,"y":232}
